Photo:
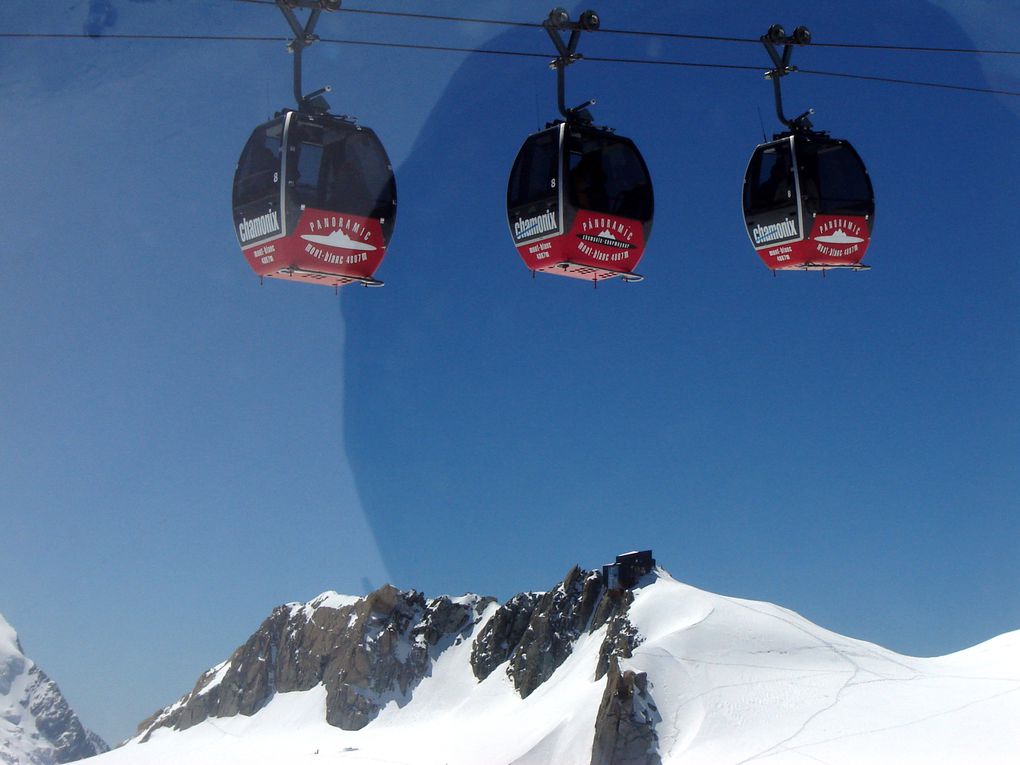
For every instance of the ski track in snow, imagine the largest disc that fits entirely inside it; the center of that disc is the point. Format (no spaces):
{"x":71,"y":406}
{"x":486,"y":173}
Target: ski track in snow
{"x":860,"y":672}
{"x":895,"y":727}
{"x":783,"y":745}
{"x":852,"y":682}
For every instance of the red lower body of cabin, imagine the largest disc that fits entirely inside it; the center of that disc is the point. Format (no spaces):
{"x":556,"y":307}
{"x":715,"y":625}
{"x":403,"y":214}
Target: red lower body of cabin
{"x":597,"y":247}
{"x":328,"y":248}
{"x":836,"y":241}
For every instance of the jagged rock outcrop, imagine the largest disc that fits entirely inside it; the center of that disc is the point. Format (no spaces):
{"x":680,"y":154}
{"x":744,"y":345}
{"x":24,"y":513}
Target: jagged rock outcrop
{"x":58,"y":723}
{"x":537,"y":632}
{"x":621,"y":636}
{"x":37,"y":725}
{"x":558,"y":620}
{"x":625,"y":725}
{"x":365,"y":651}
{"x":502,"y":633}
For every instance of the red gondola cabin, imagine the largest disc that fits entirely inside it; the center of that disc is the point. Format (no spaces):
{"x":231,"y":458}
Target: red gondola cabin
{"x":579,"y":203}
{"x":808,"y":203}
{"x":314,"y":200}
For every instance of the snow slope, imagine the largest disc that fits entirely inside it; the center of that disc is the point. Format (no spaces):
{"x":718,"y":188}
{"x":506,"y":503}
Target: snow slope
{"x":740,"y":681}
{"x":735,"y":681}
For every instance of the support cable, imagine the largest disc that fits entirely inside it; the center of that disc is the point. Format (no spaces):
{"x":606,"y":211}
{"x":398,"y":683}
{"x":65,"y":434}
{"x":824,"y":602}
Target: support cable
{"x":485,"y":51}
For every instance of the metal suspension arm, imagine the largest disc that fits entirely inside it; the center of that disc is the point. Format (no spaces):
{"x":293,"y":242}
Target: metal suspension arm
{"x":781,"y":67}
{"x":303,"y":35}
{"x":558,"y":22}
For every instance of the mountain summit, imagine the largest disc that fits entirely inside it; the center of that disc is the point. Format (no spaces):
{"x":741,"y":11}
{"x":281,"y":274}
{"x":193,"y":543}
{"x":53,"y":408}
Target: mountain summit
{"x":603,"y":669}
{"x":37,"y":726}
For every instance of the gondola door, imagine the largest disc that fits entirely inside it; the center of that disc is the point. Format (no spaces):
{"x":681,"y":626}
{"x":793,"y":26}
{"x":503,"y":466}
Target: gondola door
{"x":340,"y":201}
{"x":838,"y":200}
{"x":258,"y":197}
{"x":608,"y":204}
{"x":773,"y":208}
{"x":535,"y":199}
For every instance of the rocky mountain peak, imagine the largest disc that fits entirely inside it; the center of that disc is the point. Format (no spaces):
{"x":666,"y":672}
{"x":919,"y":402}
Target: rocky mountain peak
{"x":365,"y":651}
{"x":536,"y":631}
{"x":638,"y":668}
{"x":368,"y":652}
{"x":37,"y":725}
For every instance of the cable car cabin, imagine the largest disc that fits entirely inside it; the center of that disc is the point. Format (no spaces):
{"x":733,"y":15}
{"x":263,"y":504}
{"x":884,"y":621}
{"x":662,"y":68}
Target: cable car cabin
{"x":314,"y":200}
{"x":808,"y":203}
{"x":579,"y":203}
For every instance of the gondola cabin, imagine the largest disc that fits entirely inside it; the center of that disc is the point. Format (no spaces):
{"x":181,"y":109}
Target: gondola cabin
{"x":579,"y":203}
{"x":314,"y":200}
{"x":808,"y":203}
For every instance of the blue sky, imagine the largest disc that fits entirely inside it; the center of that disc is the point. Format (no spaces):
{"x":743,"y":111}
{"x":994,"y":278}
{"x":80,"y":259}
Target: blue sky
{"x":183,"y":449}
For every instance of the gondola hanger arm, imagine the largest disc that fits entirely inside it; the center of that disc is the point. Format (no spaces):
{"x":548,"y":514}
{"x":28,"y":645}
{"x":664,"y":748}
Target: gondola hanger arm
{"x":776,"y":35}
{"x":555,"y":25}
{"x":304,"y":35}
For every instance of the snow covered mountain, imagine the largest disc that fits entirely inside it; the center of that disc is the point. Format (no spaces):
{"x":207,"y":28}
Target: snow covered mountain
{"x":661,"y":673}
{"x":37,"y":726}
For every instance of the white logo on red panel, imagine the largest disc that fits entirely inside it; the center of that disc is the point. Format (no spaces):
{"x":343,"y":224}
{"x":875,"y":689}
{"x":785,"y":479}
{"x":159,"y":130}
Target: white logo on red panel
{"x":838,"y":237}
{"x":605,"y":239}
{"x":339,"y":240}
{"x":338,"y":232}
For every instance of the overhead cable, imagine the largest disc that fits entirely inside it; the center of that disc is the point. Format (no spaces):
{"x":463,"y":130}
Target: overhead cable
{"x":491,"y":52}
{"x":666,"y":35}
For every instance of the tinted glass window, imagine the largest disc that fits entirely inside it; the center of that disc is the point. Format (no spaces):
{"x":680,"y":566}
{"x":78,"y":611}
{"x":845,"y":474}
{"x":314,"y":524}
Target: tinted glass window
{"x":343,"y":169}
{"x":843,"y":184}
{"x":357,"y":176}
{"x":770,"y":183}
{"x":306,"y":161}
{"x":535,"y":171}
{"x":605,"y":173}
{"x":258,"y":171}
{"x":586,"y":180}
